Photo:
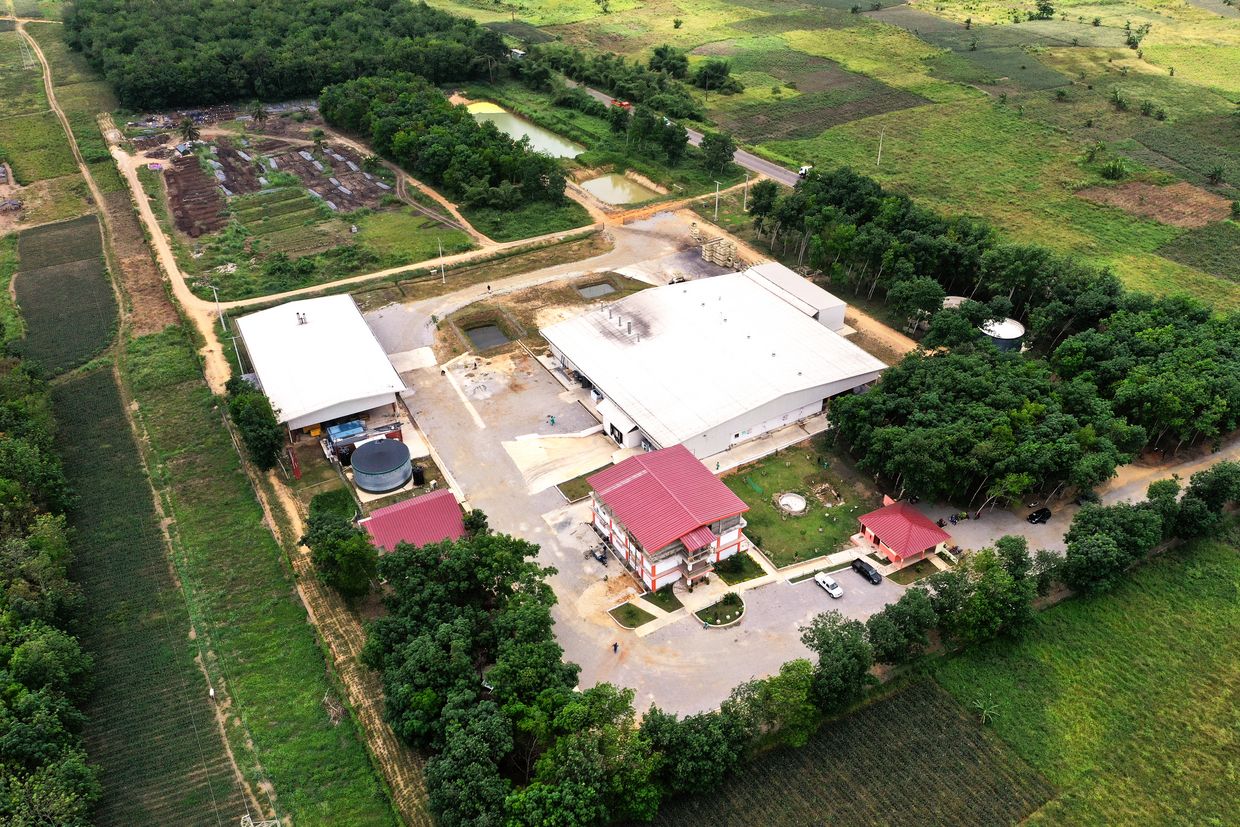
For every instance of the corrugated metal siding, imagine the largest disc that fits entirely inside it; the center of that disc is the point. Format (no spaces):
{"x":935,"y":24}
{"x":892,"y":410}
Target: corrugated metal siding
{"x":420,"y":521}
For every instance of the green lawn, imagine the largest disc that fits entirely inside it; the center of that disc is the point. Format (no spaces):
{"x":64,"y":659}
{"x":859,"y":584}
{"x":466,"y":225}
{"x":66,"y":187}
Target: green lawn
{"x":664,"y":599}
{"x":630,"y":615}
{"x":577,"y":488}
{"x":728,"y":609}
{"x":738,"y":568}
{"x":821,"y":530}
{"x":404,"y":235}
{"x":533,"y":219}
{"x":912,"y":573}
{"x":1126,"y":702}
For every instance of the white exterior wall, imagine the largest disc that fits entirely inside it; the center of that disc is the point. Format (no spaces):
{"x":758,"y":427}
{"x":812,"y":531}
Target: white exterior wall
{"x":831,"y":317}
{"x":657,"y":574}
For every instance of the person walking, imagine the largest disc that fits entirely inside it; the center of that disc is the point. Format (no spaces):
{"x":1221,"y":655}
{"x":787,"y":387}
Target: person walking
{"x":615,"y":647}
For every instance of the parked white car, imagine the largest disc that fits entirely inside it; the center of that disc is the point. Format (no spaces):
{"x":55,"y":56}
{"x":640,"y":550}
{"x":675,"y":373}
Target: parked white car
{"x":828,"y":584}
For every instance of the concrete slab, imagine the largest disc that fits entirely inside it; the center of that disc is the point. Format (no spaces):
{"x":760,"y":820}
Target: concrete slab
{"x":406,"y":360}
{"x":551,"y":460}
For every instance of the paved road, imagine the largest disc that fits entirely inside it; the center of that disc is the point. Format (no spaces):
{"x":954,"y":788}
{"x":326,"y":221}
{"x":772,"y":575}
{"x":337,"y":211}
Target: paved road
{"x":742,"y":158}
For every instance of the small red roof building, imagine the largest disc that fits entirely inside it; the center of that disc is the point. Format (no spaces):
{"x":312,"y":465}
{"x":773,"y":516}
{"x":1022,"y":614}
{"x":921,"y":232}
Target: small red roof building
{"x":902,"y":532}
{"x":666,"y":515}
{"x":420,"y":521}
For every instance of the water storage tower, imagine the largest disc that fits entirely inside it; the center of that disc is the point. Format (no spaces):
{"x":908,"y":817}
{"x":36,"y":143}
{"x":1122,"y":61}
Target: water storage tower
{"x":1007,"y":334}
{"x":382,"y":465}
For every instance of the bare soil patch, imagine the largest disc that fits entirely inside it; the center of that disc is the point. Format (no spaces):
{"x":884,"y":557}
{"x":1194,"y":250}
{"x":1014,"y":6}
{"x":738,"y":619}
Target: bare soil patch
{"x":1179,"y":205}
{"x":149,"y":309}
{"x":197,"y":204}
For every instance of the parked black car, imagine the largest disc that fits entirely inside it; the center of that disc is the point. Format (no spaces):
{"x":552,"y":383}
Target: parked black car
{"x":863,"y":568}
{"x":1039,"y":516}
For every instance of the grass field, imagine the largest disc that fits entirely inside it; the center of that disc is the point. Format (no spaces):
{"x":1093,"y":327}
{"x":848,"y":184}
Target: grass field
{"x":11,"y":325}
{"x":35,"y":147}
{"x":151,"y":729}
{"x":535,"y":218}
{"x":821,"y":530}
{"x":21,"y":86}
{"x":911,"y":759}
{"x":242,"y":599}
{"x":64,"y":294}
{"x":1214,"y":248}
{"x":630,"y":615}
{"x":1126,"y":702}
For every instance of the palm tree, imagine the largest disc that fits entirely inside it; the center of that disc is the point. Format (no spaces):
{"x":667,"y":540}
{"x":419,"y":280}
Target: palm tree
{"x":188,"y":129}
{"x":258,"y":112}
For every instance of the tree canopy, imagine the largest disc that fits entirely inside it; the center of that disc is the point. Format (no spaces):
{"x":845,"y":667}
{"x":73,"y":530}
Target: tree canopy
{"x":158,"y":55}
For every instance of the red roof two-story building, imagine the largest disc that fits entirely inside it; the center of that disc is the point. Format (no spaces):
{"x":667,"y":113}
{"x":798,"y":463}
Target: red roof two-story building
{"x":666,"y":515}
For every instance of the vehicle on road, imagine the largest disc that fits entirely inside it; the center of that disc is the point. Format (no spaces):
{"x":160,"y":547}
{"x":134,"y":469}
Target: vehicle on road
{"x":828,"y":584}
{"x":803,"y":171}
{"x":1039,"y":516}
{"x":862,"y":567}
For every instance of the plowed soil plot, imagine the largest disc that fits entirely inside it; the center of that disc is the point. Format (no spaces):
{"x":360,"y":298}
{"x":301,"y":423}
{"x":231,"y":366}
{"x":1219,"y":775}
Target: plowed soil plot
{"x":912,"y":759}
{"x":196,"y":201}
{"x":239,"y":167}
{"x":333,"y":174}
{"x":1180,"y":205}
{"x":64,"y":295}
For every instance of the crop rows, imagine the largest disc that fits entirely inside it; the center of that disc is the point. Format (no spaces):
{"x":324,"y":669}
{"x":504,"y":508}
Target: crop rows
{"x":911,"y":759}
{"x":151,"y":730}
{"x":1214,"y":248}
{"x":302,"y":239}
{"x":246,"y":203}
{"x":308,"y":214}
{"x":67,"y":302}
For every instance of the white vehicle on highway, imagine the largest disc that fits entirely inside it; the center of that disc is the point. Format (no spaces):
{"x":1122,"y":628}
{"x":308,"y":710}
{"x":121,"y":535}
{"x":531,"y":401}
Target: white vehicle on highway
{"x":828,"y":584}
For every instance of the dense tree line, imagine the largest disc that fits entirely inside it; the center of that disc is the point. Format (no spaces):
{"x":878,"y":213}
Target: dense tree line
{"x":472,"y":672}
{"x":623,"y":79}
{"x":1109,"y":371}
{"x":983,"y":427}
{"x":162,"y":54}
{"x":408,"y":120}
{"x":44,"y":674}
{"x":1104,"y":541}
{"x":261,"y":432}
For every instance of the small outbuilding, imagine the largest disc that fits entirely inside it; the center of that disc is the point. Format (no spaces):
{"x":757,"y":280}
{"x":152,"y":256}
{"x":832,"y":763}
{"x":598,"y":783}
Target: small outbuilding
{"x":318,"y":361}
{"x":420,"y":521}
{"x":902,"y":534}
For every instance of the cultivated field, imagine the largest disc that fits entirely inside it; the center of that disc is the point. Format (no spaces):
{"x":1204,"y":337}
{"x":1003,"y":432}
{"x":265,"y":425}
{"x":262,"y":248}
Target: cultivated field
{"x":151,"y":727}
{"x":64,"y":294}
{"x":914,"y":758}
{"x":243,"y":603}
{"x":990,"y":117}
{"x":1126,"y":702}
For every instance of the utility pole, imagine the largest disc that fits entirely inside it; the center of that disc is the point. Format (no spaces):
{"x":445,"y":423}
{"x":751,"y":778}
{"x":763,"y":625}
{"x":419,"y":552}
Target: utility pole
{"x":745,"y":204}
{"x":443,"y":279}
{"x":218,"y":310}
{"x":881,"y":133}
{"x":237,"y":351}
{"x":716,"y":202}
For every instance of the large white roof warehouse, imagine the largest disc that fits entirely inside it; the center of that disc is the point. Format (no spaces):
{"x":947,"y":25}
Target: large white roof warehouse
{"x":707,"y":363}
{"x":317,"y":360}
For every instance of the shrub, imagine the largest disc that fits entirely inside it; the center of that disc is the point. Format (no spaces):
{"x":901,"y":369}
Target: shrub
{"x":261,"y":432}
{"x":1114,"y":170}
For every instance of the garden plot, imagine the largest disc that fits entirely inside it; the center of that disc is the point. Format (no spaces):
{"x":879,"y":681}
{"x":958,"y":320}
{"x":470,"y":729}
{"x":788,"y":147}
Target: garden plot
{"x":64,"y":295}
{"x":196,"y":201}
{"x":150,"y":727}
{"x":333,"y":174}
{"x":844,"y":775}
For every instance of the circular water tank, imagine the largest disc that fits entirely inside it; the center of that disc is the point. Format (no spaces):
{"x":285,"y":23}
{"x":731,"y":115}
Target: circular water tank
{"x":1007,"y":334}
{"x":382,"y":465}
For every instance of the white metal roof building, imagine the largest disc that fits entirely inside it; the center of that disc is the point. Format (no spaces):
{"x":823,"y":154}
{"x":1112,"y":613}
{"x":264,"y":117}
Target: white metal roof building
{"x":317,"y":360}
{"x":801,"y":293}
{"x":707,"y":363}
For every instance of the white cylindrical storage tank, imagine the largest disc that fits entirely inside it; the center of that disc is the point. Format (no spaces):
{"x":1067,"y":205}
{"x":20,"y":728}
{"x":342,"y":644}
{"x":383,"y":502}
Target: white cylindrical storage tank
{"x":1007,"y":334}
{"x":382,"y":465}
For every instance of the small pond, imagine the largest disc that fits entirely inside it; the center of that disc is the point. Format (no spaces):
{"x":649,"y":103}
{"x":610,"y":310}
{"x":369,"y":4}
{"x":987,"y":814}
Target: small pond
{"x":517,"y":127}
{"x":487,"y":336}
{"x":594,"y":291}
{"x":616,"y":189}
